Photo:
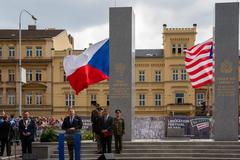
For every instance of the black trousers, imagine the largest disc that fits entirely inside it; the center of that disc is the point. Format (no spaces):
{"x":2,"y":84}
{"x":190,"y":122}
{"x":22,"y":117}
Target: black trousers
{"x":7,"y":143}
{"x":70,"y":149}
{"x":118,"y":142}
{"x":106,"y":143}
{"x":26,"y":145}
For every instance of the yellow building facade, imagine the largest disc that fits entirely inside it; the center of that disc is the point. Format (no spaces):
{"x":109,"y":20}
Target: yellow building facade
{"x":38,"y":46}
{"x":162,"y":84}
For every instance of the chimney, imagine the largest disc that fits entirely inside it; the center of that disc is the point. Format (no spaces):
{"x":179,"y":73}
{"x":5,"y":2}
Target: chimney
{"x":71,"y":40}
{"x":32,"y":27}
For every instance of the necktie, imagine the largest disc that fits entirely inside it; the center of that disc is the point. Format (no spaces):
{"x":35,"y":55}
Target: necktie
{"x":26,"y":124}
{"x":105,"y":119}
{"x":71,"y":119}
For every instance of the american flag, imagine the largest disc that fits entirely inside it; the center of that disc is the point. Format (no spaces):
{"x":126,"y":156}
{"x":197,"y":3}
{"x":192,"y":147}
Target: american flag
{"x":199,"y":63}
{"x":202,"y":125}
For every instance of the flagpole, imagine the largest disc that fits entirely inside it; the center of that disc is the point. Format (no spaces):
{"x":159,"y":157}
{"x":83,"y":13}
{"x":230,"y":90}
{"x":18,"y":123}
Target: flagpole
{"x":70,"y":88}
{"x":213,"y":86}
{"x":211,"y":120}
{"x":208,"y":100}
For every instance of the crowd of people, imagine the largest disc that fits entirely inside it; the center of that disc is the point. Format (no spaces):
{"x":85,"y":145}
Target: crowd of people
{"x":17,"y":129}
{"x":13,"y":129}
{"x":26,"y":130}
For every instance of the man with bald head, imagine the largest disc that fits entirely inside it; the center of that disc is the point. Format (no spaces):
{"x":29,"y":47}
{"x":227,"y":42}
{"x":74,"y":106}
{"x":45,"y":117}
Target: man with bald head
{"x":27,"y":129}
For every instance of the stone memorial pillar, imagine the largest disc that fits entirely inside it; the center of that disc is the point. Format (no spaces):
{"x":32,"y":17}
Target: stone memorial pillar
{"x":226,"y":92}
{"x":122,"y":64}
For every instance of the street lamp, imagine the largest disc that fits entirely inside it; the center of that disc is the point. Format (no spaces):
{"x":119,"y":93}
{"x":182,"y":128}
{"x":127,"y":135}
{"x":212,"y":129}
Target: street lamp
{"x":20,"y":57}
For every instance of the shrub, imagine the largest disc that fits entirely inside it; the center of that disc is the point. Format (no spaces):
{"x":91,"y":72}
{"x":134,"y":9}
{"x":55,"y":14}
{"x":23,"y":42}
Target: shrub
{"x":49,"y":135}
{"x":87,"y":135}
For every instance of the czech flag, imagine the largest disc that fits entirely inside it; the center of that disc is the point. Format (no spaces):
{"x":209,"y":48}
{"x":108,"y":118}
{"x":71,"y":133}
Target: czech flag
{"x":90,"y":67}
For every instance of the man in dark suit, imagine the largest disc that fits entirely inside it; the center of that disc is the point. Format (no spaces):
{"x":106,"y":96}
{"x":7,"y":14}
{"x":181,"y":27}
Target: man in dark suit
{"x":6,"y":135}
{"x":97,"y":129}
{"x":27,"y":129}
{"x":106,"y":124}
{"x":94,"y":116}
{"x":71,"y":124}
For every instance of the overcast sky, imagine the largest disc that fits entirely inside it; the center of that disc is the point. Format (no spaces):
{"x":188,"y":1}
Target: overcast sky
{"x":87,"y":20}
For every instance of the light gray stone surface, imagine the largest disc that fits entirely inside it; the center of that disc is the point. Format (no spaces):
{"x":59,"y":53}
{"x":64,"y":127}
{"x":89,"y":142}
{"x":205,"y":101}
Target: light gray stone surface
{"x":226,"y":72}
{"x":149,"y":128}
{"x":122,"y":56}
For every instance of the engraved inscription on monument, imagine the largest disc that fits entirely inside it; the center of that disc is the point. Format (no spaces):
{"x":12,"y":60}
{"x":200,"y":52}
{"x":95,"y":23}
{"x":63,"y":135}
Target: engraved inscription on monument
{"x":226,"y":66}
{"x":120,"y":86}
{"x":225,"y":87}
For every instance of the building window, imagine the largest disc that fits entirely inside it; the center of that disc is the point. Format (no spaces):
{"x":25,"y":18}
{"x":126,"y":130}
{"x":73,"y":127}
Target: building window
{"x":29,"y":75}
{"x":173,"y":49}
{"x":157,"y":76}
{"x":28,"y":98}
{"x":38,"y":75}
{"x":183,"y":74}
{"x":175,"y":74}
{"x":11,"y":75}
{"x":141,"y":76}
{"x":38,"y":99}
{"x":11,"y":51}
{"x":107,"y":100}
{"x":184,"y":47}
{"x":142,"y":99}
{"x":179,"y":98}
{"x":29,"y":52}
{"x":200,"y":98}
{"x":70,"y":99}
{"x":157,"y":99}
{"x":179,"y":48}
{"x":0,"y":51}
{"x":93,"y":99}
{"x":11,"y":99}
{"x":38,"y":51}
{"x":64,"y":77}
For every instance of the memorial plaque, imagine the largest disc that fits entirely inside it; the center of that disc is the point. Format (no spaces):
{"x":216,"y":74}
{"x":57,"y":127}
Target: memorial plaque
{"x":122,"y":57}
{"x":226,"y":72}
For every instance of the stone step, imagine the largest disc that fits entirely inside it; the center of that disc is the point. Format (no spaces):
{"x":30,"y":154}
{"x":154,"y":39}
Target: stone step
{"x":180,"y":155}
{"x":89,"y":143}
{"x":215,"y":155}
{"x":171,"y":146}
{"x":174,"y":143}
{"x":165,"y":150}
{"x":93,"y":151}
{"x":167,"y":158}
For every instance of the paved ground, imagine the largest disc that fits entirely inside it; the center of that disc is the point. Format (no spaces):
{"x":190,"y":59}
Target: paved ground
{"x":18,"y":152}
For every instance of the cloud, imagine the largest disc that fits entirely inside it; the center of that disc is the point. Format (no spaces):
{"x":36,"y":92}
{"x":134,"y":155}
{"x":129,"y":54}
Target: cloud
{"x":90,"y":35}
{"x":87,"y":20}
{"x":151,"y":17}
{"x":71,"y":15}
